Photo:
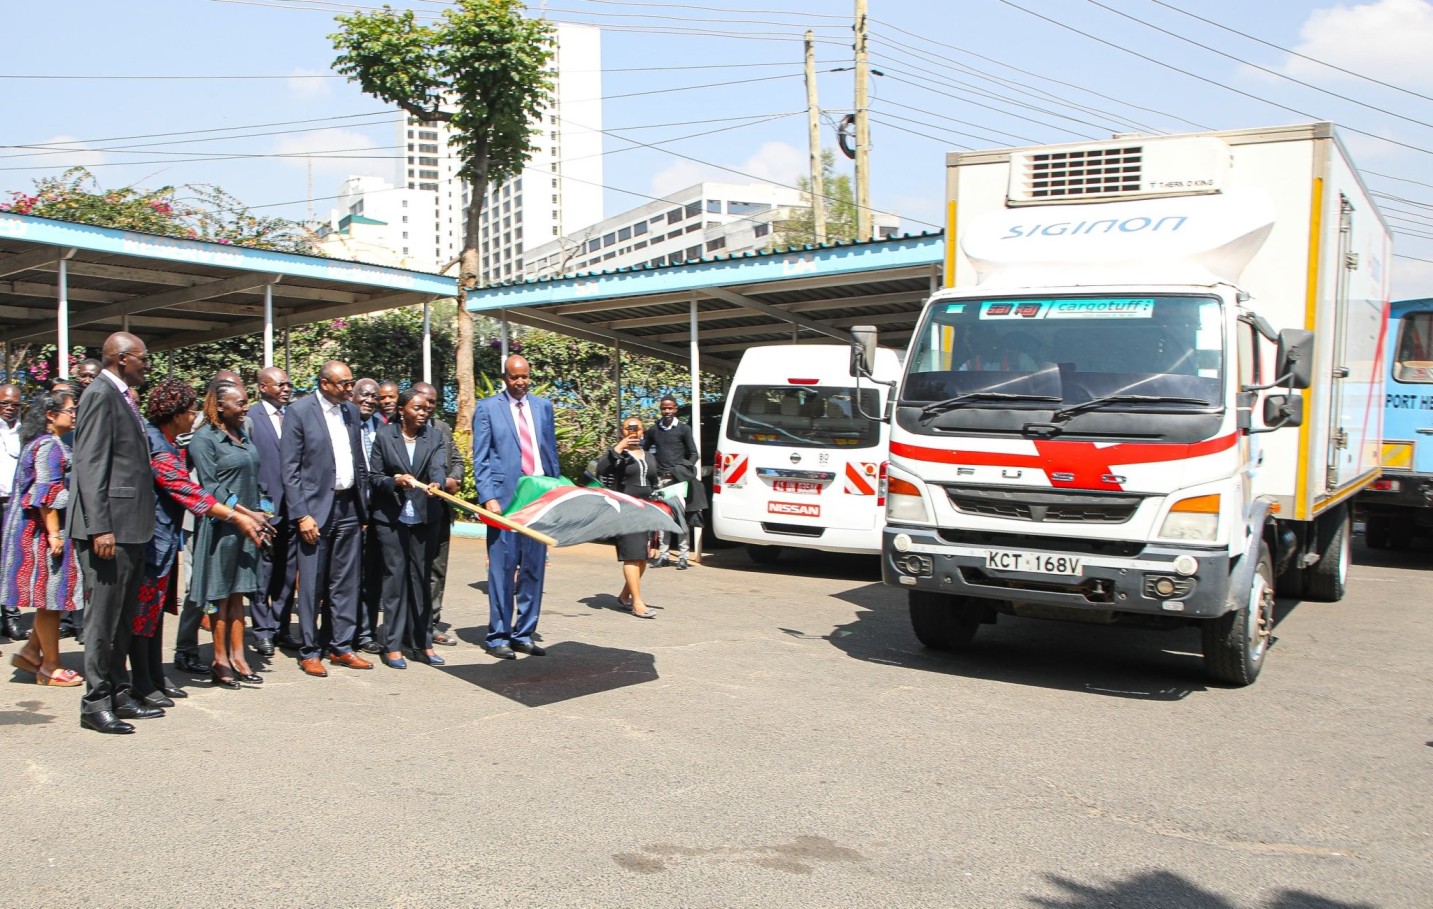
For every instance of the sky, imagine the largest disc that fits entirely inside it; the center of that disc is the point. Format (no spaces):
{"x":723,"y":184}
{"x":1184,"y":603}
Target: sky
{"x":240,"y":93}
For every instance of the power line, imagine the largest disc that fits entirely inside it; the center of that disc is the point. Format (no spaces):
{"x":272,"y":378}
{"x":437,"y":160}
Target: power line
{"x":1007,"y":113}
{"x":944,"y":142}
{"x":883,"y":102}
{"x":50,"y":148}
{"x":710,"y":9}
{"x":1412,"y":258}
{"x":218,"y":129}
{"x":194,"y":78}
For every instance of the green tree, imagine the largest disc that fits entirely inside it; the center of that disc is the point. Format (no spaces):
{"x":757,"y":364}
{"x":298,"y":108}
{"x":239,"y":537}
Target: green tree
{"x":483,"y":70}
{"x":840,"y":204}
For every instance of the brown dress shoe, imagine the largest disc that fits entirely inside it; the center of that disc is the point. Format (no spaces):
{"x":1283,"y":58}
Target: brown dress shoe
{"x":313,"y":666}
{"x":351,"y":660}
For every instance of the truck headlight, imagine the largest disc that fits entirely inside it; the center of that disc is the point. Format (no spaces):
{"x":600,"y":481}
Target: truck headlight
{"x":1195,"y":518}
{"x":904,"y":501}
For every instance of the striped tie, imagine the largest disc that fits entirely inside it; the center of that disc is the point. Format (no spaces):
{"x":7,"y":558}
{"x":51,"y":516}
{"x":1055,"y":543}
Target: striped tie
{"x":525,"y":441}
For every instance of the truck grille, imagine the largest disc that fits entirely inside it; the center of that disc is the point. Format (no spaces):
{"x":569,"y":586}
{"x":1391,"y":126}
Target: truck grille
{"x":1084,"y":172}
{"x":1061,"y":508}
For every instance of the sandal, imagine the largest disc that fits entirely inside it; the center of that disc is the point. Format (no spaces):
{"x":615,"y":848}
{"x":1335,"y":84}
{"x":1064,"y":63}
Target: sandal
{"x":60,"y":678}
{"x":649,"y":614}
{"x":24,"y":664}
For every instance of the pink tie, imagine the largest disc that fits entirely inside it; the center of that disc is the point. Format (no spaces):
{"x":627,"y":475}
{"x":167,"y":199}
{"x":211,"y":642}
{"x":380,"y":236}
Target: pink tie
{"x":526,"y":442}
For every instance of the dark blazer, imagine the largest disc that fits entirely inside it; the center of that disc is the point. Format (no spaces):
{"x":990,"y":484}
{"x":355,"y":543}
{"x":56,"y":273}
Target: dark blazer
{"x":497,"y":455}
{"x":306,"y":459}
{"x":389,"y":459}
{"x":271,"y":474}
{"x":112,"y":489}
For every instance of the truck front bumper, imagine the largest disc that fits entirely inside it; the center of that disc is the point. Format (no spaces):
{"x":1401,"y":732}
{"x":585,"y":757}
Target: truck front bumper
{"x":1105,"y":583}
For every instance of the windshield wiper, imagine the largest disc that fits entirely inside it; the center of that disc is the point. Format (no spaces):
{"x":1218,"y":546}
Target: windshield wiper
{"x":1061,"y":416}
{"x":939,"y":407}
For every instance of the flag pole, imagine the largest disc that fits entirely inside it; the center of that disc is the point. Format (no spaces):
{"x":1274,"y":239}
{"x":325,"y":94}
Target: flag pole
{"x":507,"y":523}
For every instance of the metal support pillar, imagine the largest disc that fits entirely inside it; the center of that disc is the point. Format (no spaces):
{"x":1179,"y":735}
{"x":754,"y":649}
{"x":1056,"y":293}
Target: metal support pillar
{"x":62,"y":318}
{"x":428,"y":341}
{"x":268,"y":325}
{"x":694,"y":337}
{"x":505,"y":341}
{"x":617,"y":378}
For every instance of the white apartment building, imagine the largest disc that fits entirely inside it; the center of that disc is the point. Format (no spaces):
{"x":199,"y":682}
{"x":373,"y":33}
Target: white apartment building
{"x":559,"y":189}
{"x":379,"y":223}
{"x":701,"y":221}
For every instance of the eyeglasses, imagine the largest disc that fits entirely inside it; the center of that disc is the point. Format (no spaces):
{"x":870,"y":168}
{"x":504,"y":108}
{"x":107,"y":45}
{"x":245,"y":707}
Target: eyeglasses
{"x":67,"y":410}
{"x":143,"y":358}
{"x":347,"y":383}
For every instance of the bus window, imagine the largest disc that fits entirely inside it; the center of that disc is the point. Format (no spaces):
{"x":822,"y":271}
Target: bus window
{"x":1414,"y":361}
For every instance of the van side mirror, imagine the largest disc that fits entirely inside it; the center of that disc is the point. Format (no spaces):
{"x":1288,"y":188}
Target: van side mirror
{"x":1283,"y":410}
{"x":863,"y":350}
{"x":1295,"y":361}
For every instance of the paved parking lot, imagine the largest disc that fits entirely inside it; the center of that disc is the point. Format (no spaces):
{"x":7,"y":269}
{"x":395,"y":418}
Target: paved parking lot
{"x":775,"y":737}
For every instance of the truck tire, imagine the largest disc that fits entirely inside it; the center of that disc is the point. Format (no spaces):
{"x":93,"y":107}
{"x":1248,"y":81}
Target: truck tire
{"x":1327,"y":577}
{"x":1292,"y":582}
{"x":1235,"y":643}
{"x":944,"y":622}
{"x":1378,"y":532}
{"x":763,"y":555}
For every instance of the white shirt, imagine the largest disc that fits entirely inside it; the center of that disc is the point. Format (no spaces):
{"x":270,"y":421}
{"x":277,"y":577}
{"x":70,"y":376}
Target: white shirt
{"x":275,"y":417}
{"x":9,"y":457}
{"x":342,"y":450}
{"x":523,"y":416}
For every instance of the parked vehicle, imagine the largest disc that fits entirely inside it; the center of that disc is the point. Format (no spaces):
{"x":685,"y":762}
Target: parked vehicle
{"x":801,"y":458}
{"x":1149,"y":392}
{"x":1399,"y":506}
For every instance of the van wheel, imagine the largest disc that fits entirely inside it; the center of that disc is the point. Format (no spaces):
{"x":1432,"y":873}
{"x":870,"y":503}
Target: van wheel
{"x":1378,"y":532}
{"x":1235,"y":643}
{"x":1328,"y":576}
{"x":764,"y":555}
{"x":942,"y":621}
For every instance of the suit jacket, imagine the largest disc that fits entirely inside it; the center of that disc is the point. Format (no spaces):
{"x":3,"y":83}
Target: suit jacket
{"x":497,"y":455}
{"x":390,"y":458}
{"x":306,"y":459}
{"x":271,"y":474}
{"x":112,"y":489}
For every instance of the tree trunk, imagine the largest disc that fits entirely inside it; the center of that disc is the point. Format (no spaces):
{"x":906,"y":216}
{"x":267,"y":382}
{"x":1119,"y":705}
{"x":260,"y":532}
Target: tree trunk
{"x":468,"y":279}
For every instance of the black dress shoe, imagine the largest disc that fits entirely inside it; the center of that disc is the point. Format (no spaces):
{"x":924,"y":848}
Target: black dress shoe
{"x":253,"y":678}
{"x":105,"y":721}
{"x":170,"y":691}
{"x":502,"y":652}
{"x":158,"y":699}
{"x":12,"y":629}
{"x":529,"y":648}
{"x":285,"y":642}
{"x":190,"y":663}
{"x":370,"y":647}
{"x":135,"y":710}
{"x":264,"y":647}
{"x":224,"y":681}
{"x":67,"y":631}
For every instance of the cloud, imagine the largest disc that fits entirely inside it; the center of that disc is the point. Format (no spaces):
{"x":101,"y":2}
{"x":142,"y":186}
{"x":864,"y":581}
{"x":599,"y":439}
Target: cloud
{"x":67,"y":151}
{"x":772,"y":162}
{"x":1386,"y":40}
{"x":308,"y":84}
{"x":335,"y":151}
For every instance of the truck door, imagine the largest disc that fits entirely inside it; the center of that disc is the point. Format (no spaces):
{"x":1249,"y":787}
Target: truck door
{"x":1339,"y":455}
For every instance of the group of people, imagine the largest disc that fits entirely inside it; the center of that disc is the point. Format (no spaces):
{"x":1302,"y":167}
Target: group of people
{"x":329,"y":506}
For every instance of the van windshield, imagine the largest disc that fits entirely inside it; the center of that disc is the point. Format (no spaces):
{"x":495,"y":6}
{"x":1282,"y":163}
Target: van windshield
{"x":809,"y":416}
{"x":1064,"y":351}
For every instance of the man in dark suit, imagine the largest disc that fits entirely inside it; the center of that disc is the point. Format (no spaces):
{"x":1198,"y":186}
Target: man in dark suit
{"x":10,"y":448}
{"x":325,"y":485}
{"x":457,"y":469}
{"x":272,"y":606}
{"x":513,"y":436}
{"x":111,"y":519}
{"x":370,"y":595}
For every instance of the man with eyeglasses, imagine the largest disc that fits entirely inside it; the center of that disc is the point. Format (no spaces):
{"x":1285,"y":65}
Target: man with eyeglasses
{"x":111,"y":519}
{"x":273,"y":605}
{"x":325,"y":485}
{"x":9,"y":457}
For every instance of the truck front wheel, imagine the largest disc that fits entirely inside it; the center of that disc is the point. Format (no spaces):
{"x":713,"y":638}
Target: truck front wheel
{"x":1235,"y":643}
{"x":763,"y":555}
{"x":944,"y":622}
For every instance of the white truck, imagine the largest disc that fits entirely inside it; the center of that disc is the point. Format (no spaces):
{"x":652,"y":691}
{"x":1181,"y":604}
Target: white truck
{"x":1148,"y":391}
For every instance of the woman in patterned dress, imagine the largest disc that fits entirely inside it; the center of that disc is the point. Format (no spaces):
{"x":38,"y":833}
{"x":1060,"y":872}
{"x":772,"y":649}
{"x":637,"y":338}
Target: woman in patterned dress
{"x":226,"y":565}
{"x":38,"y":569}
{"x":170,"y":409}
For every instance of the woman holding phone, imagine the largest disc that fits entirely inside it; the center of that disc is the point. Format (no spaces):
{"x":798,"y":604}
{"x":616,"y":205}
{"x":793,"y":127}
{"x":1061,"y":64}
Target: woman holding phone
{"x":626,"y":468}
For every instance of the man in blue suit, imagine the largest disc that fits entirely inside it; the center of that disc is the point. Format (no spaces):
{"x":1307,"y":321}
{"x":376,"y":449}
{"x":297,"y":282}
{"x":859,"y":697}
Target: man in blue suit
{"x":513,"y":437}
{"x":325,"y":491}
{"x":274,"y":602}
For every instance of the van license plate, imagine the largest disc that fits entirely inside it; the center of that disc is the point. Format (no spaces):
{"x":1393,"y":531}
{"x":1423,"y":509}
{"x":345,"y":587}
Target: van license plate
{"x":797,"y":487}
{"x":1035,"y":562}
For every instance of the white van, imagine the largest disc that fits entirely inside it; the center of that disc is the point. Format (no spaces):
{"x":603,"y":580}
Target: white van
{"x":801,"y":460}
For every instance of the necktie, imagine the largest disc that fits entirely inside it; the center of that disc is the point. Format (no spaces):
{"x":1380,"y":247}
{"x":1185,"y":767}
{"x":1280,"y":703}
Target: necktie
{"x":367,"y":442}
{"x":130,"y":399}
{"x":525,"y":441}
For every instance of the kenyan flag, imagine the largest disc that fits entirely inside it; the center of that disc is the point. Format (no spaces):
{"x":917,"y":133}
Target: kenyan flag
{"x":572,"y":515}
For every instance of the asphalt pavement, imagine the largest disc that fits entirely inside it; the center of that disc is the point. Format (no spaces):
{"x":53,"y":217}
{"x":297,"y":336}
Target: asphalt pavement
{"x":776,"y":737}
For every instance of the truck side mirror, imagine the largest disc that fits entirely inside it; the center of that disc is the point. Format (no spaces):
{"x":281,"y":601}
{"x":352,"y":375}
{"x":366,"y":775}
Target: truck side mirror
{"x":1283,"y":410}
{"x":1295,"y":361}
{"x":863,"y":350}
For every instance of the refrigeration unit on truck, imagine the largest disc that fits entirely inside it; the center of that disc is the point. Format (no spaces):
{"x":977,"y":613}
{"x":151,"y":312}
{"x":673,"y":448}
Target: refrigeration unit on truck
{"x":1399,"y":506}
{"x":801,"y":458}
{"x":1149,"y":391}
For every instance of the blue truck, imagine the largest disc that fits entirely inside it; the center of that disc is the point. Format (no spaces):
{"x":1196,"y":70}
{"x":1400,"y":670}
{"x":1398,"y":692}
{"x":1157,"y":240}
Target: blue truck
{"x":1399,"y":506}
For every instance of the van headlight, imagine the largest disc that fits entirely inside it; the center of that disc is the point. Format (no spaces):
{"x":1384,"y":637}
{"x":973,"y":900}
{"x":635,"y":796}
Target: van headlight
{"x":1194,"y":518}
{"x":904,"y":502}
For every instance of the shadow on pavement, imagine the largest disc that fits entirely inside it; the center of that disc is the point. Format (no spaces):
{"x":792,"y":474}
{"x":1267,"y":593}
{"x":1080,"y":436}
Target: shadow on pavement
{"x":800,"y":563}
{"x":1164,"y":888}
{"x":570,"y":670}
{"x":1114,"y":661}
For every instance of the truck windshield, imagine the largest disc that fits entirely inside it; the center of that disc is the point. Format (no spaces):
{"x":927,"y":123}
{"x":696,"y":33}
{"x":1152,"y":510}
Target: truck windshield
{"x":1029,"y":351}
{"x":810,"y":416}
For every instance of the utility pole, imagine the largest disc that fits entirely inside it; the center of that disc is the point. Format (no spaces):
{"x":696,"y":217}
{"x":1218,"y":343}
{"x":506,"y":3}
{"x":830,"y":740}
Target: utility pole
{"x":813,"y":128}
{"x":863,"y":128}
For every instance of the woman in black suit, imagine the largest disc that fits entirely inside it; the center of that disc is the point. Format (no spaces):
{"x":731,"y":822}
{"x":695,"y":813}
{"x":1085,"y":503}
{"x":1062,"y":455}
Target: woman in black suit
{"x":408,"y":461}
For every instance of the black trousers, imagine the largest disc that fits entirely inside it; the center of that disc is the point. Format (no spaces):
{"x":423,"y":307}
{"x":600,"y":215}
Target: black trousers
{"x":438,"y":573}
{"x":370,"y":596}
{"x":407,"y":600}
{"x":329,"y":580}
{"x":146,"y":661}
{"x":113,"y":586}
{"x":271,"y":608}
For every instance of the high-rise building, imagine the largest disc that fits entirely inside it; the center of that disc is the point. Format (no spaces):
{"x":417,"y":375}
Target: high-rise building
{"x":558,"y":190}
{"x":376,"y":222}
